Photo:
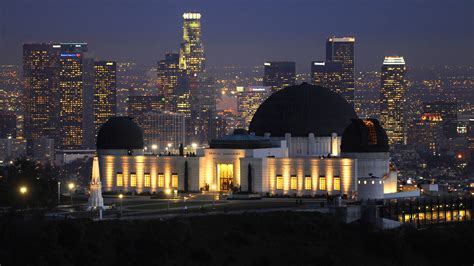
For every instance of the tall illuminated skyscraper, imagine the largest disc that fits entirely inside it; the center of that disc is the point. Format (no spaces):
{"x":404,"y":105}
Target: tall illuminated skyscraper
{"x":341,"y":50}
{"x":40,"y":64}
{"x":70,"y":88}
{"x":191,"y":57}
{"x":105,"y":92}
{"x":278,"y":75}
{"x":392,"y":98}
{"x":248,"y":100}
{"x":169,"y":80}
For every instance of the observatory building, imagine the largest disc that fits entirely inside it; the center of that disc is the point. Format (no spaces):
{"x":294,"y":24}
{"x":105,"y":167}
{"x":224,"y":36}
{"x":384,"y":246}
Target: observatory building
{"x":303,"y":140}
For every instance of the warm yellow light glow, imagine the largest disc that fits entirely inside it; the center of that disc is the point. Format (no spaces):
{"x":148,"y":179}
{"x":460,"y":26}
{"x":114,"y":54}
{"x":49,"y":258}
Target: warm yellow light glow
{"x":322,"y":183}
{"x":337,"y":183}
{"x":147,"y":177}
{"x":308,"y":183}
{"x":293,"y":183}
{"x":279,"y":182}
{"x":23,"y":190}
{"x":119,"y":179}
{"x":120,"y":196}
{"x":174,"y":180}
{"x":71,"y":185}
{"x":168,"y":191}
{"x":133,"y":180}
{"x":161,"y":180}
{"x":154,"y":147}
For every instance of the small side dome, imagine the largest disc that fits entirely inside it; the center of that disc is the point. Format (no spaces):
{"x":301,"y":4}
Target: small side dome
{"x":120,"y":133}
{"x":364,"y":136}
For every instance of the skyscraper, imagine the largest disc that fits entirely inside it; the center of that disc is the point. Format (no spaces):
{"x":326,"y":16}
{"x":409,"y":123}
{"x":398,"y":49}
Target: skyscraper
{"x":278,"y":75}
{"x":105,"y":92}
{"x":191,"y":57}
{"x":392,"y":98}
{"x":162,"y":129}
{"x":169,"y":79}
{"x":40,"y":63}
{"x":139,"y":105}
{"x":328,"y":75}
{"x":248,"y":100}
{"x":70,"y":88}
{"x":341,"y":50}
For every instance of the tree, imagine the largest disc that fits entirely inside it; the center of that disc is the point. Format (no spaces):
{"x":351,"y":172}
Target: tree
{"x":40,"y":181}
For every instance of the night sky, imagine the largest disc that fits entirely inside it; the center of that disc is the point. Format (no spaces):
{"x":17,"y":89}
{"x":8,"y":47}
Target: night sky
{"x":247,"y":32}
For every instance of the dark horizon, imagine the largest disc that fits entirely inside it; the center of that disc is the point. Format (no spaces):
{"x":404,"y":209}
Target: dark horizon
{"x":245,"y":33}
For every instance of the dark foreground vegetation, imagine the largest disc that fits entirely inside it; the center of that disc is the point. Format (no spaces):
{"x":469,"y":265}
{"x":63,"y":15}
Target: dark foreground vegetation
{"x":280,"y":238}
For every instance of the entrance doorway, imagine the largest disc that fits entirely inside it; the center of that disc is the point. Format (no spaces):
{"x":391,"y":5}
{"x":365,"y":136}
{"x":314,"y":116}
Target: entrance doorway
{"x":225,"y":175}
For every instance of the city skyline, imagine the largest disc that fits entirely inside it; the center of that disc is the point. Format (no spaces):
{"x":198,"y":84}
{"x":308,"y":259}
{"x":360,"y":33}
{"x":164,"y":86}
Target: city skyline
{"x":253,"y":40}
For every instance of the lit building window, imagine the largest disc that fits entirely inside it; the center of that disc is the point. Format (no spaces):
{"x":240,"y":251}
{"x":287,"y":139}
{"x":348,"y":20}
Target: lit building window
{"x":308,"y":183}
{"x":174,"y":180}
{"x":322,"y":183}
{"x":133,"y":179}
{"x":119,"y":180}
{"x":337,"y":183}
{"x":147,"y":180}
{"x":279,"y":182}
{"x":294,"y":182}
{"x":161,"y":180}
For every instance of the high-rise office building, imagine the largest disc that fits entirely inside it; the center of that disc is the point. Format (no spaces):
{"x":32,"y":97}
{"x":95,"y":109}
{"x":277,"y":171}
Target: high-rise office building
{"x":392,"y":98}
{"x":70,"y":87}
{"x":170,"y":80}
{"x":164,"y":129}
{"x":328,"y":74}
{"x":88,"y":102}
{"x":202,"y":99}
{"x":105,"y":92}
{"x":278,"y":75}
{"x":40,"y":65}
{"x":139,"y":105}
{"x":191,"y":57}
{"x":341,"y":50}
{"x":8,"y":121}
{"x":248,"y":100}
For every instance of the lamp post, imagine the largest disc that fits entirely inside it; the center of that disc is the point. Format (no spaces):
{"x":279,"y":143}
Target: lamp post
{"x":71,"y":187}
{"x":59,"y":192}
{"x":121,"y":204}
{"x":23,"y":191}
{"x":154,"y":147}
{"x":169,"y":146}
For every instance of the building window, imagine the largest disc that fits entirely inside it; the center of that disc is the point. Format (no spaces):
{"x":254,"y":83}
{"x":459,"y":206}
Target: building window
{"x":174,"y":180}
{"x":294,"y":182}
{"x":337,"y":183}
{"x":133,"y":179}
{"x":161,"y":180}
{"x":279,"y":182}
{"x":147,"y":180}
{"x":119,"y":180}
{"x":308,"y":183}
{"x":322,"y":183}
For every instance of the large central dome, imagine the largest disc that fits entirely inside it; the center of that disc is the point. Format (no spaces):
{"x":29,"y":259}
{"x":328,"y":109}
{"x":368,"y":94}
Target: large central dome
{"x":300,"y":110}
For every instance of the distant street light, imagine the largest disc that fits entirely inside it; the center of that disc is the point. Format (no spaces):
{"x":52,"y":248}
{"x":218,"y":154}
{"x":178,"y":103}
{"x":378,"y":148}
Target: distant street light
{"x":121,"y":204}
{"x":154,"y":147}
{"x":23,"y":191}
{"x":59,"y":192}
{"x":71,"y":187}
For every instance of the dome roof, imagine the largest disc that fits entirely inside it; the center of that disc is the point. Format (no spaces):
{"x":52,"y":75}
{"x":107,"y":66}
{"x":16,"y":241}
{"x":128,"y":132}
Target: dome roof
{"x":364,"y":136}
{"x":240,"y":139}
{"x":300,"y":110}
{"x":120,"y":133}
